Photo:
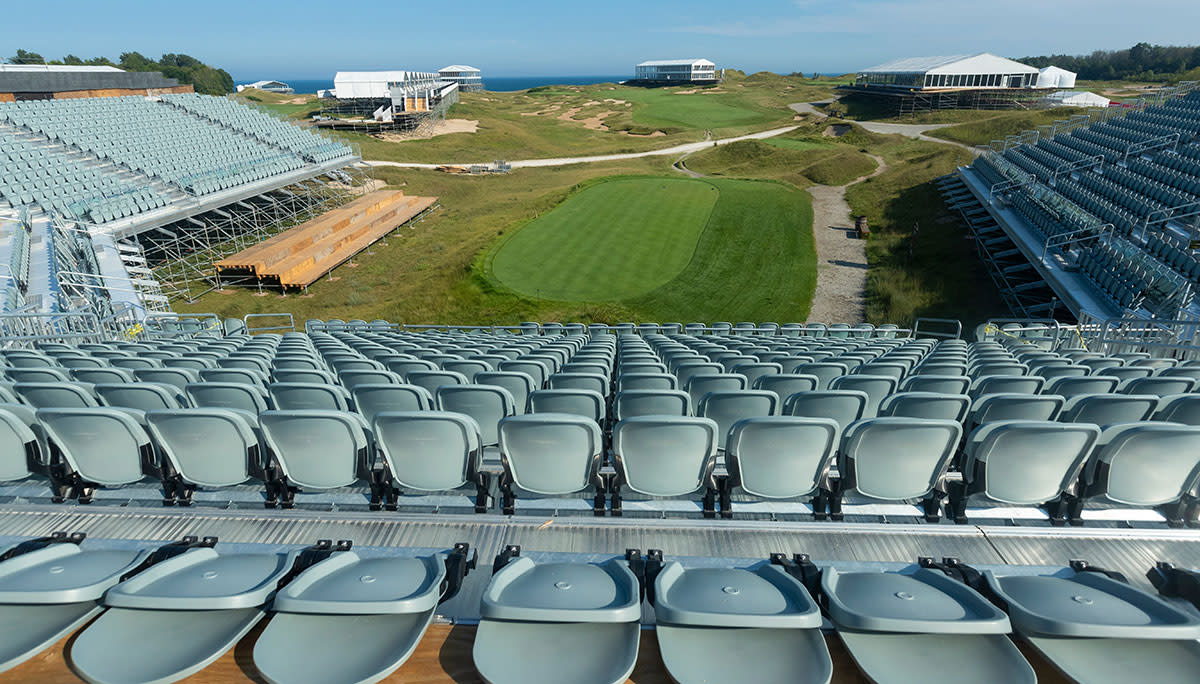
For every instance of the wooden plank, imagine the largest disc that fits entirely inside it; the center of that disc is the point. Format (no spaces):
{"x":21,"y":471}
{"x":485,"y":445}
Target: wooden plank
{"x":444,"y":657}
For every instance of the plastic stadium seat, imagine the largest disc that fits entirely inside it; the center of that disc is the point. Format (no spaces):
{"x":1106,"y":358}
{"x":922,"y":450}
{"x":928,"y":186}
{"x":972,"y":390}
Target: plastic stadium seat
{"x":890,"y":369}
{"x":228,"y":395}
{"x":1158,"y":385}
{"x":81,"y":362}
{"x":1108,"y":409}
{"x":143,"y":396}
{"x":1006,"y":384}
{"x":99,"y":447}
{"x":487,"y":404}
{"x":1146,"y":465}
{"x":1126,"y":373}
{"x":584,"y":381}
{"x":467,"y":367}
{"x":537,"y":370}
{"x":322,"y":377}
{"x":876,"y":388}
{"x":700,"y":385}
{"x":519,"y":385}
{"x":314,"y":450}
{"x":785,"y":385}
{"x":403,"y":368}
{"x":824,"y":371}
{"x":586,"y":369}
{"x":990,"y":408}
{"x":726,"y":408}
{"x":780,"y":458}
{"x":646,"y":381}
{"x":371,"y":400}
{"x":245,"y":376}
{"x":42,"y":375}
{"x":20,"y":451}
{"x":940,"y":368}
{"x":753,"y":371}
{"x":1023,"y":463}
{"x":179,"y":377}
{"x":550,"y":455}
{"x":431,"y":380}
{"x":1072,"y":386}
{"x":352,"y":378}
{"x":631,"y":403}
{"x":842,"y":406}
{"x":687,"y":371}
{"x":1179,"y":408}
{"x":895,"y":459}
{"x":300,"y":396}
{"x":431,"y":451}
{"x":932,"y":405}
{"x":136,"y":363}
{"x":205,"y":448}
{"x":579,"y":402}
{"x":304,"y":362}
{"x":662,"y":456}
{"x":940,"y":384}
{"x":57,"y":394}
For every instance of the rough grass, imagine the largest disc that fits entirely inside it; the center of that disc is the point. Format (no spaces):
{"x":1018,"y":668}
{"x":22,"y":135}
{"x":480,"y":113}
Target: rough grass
{"x":612,"y":241}
{"x":1003,"y":124}
{"x":279,"y":104}
{"x":797,"y":160}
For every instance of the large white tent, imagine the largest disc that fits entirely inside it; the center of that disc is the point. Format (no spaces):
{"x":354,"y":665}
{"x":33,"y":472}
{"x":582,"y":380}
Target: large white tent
{"x":1077,"y":98}
{"x":1054,"y":77}
{"x":373,"y":84}
{"x":982,"y":70}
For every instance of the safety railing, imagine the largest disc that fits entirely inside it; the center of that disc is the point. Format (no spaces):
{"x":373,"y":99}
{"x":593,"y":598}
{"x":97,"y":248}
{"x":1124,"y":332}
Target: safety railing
{"x":256,"y":324}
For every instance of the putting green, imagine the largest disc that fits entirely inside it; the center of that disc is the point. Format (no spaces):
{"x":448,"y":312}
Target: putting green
{"x":612,"y":241}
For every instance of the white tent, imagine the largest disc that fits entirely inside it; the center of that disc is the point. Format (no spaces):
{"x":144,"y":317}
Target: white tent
{"x":374,"y":84}
{"x":1077,"y":98}
{"x":1054,"y":77}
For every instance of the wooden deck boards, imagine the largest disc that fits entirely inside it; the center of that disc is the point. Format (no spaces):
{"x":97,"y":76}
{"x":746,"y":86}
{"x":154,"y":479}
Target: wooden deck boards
{"x":299,"y":256}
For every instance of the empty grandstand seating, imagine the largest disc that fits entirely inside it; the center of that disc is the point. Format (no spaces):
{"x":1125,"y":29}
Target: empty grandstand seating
{"x":344,"y":430}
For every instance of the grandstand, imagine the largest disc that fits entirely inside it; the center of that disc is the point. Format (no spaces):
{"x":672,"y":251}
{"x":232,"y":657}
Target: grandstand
{"x":800,"y":467}
{"x":1097,"y":217}
{"x":98,"y":192}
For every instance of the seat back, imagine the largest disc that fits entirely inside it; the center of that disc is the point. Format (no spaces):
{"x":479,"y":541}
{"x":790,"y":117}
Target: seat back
{"x":1179,"y":408}
{"x":896,"y":459}
{"x":103,"y":445}
{"x":727,"y":408}
{"x":876,"y":388}
{"x":755,"y":370}
{"x":842,"y":406}
{"x":20,"y":453}
{"x":96,"y":376}
{"x":352,"y":378}
{"x":56,"y":394}
{"x":1108,"y":409}
{"x":467,"y":367}
{"x":931,"y":405}
{"x":579,"y":402}
{"x":406,"y":366}
{"x":1145,"y":464}
{"x":431,"y":380}
{"x":245,"y":376}
{"x":1070,"y":386}
{"x":584,"y":381}
{"x":1006,"y":384}
{"x":780,"y":457}
{"x":316,"y":449}
{"x":177,"y":377}
{"x":208,"y":447}
{"x":631,"y":403}
{"x":646,"y":381}
{"x":825,"y":372}
{"x":1159,"y":385}
{"x":700,"y":385}
{"x":428,"y":450}
{"x":321,"y":377}
{"x":551,"y":454}
{"x":785,"y":385}
{"x":1027,"y":462}
{"x":940,"y":384}
{"x":143,"y":396}
{"x":536,"y":370}
{"x":487,"y":404}
{"x":304,"y":396}
{"x":996,"y":407}
{"x":37,"y":374}
{"x":372,"y":399}
{"x":229,"y":395}
{"x":685,"y":372}
{"x":519,"y":385}
{"x":665,"y":456}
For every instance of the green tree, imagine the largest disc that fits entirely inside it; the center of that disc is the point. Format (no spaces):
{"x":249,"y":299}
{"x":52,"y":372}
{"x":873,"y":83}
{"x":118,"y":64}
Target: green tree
{"x":26,"y":57}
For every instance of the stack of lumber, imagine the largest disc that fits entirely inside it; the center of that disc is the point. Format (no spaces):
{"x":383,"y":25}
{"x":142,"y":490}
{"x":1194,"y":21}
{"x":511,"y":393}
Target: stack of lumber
{"x":299,"y":256}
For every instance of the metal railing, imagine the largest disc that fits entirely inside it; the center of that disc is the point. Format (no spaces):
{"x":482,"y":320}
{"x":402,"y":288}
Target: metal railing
{"x":21,"y":329}
{"x":252,"y":329}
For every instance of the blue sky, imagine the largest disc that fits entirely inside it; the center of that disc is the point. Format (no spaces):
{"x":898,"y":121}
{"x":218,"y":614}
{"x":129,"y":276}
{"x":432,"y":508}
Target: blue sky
{"x":303,"y":39}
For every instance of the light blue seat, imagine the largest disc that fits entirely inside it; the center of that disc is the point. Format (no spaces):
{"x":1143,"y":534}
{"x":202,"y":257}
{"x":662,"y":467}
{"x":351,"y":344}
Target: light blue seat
{"x":20,"y":450}
{"x":535,"y":369}
{"x":940,"y":384}
{"x":352,"y":378}
{"x":179,"y":377}
{"x":1015,"y":406}
{"x":933,"y":405}
{"x":700,"y":385}
{"x":648,"y":402}
{"x":727,"y":408}
{"x":785,"y":385}
{"x":431,"y":380}
{"x":406,"y":366}
{"x":487,"y":404}
{"x":37,"y":374}
{"x":1158,"y":385}
{"x":1146,"y":465}
{"x":519,"y":385}
{"x":229,"y":395}
{"x":431,"y":451}
{"x":1179,"y":408}
{"x":876,"y":387}
{"x":96,"y":376}
{"x":579,"y":402}
{"x":57,"y":394}
{"x":205,"y":448}
{"x":1069,"y":386}
{"x":685,"y":372}
{"x":550,"y":455}
{"x":322,"y":377}
{"x":143,"y":396}
{"x":584,"y":381}
{"x":1006,"y":384}
{"x":1023,"y":463}
{"x":245,"y":376}
{"x":896,"y":459}
{"x":646,"y":381}
{"x":302,"y":396}
{"x":468,"y":367}
{"x":104,"y":447}
{"x":371,"y":400}
{"x":842,"y":406}
{"x":825,"y":372}
{"x":780,"y":458}
{"x":1108,"y":409}
{"x":665,"y":457}
{"x":315,"y":450}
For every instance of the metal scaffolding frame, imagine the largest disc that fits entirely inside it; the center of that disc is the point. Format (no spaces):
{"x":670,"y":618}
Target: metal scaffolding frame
{"x":181,"y":254}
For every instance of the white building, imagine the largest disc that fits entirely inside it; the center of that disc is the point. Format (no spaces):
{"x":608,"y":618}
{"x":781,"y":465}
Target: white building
{"x":269,"y":86}
{"x":1054,"y":77}
{"x":1077,"y":98}
{"x":349,"y":85}
{"x":677,"y":70}
{"x":467,"y":77}
{"x":981,"y":71}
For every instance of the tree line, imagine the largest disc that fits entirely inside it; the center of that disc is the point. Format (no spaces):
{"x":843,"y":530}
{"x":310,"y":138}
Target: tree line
{"x":1142,"y":62}
{"x":183,"y":68}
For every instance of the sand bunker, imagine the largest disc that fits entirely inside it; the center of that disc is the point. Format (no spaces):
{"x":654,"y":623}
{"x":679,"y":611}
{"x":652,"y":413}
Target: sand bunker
{"x":433,"y":130}
{"x":836,"y":130}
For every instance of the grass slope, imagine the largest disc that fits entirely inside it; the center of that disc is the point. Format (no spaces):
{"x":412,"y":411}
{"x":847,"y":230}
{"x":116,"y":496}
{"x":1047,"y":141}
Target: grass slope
{"x":612,"y":241}
{"x":800,"y":158}
{"x":983,"y":131}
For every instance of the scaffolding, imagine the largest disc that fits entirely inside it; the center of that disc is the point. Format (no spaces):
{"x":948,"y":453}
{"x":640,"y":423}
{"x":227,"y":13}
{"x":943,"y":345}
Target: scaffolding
{"x":181,"y":254}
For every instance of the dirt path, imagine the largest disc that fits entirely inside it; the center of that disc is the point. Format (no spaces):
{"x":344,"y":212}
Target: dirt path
{"x":841,"y":257}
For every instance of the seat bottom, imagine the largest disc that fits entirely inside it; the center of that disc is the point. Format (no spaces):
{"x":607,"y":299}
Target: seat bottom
{"x":1100,"y":661}
{"x":561,"y":652}
{"x":909,"y":658}
{"x":337,"y":648}
{"x":32,"y":628}
{"x":171,"y":644}
{"x":767,"y":656}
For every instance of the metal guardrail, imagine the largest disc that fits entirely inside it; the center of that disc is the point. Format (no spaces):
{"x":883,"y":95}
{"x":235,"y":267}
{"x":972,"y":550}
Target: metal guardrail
{"x":169,"y":325}
{"x":290,"y":326}
{"x":955,"y":324}
{"x":17,"y":329}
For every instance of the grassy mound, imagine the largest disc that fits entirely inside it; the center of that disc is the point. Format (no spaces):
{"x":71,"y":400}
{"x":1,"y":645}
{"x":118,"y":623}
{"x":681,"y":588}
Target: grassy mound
{"x":1000,"y":125}
{"x":612,"y":241}
{"x":797,"y":161}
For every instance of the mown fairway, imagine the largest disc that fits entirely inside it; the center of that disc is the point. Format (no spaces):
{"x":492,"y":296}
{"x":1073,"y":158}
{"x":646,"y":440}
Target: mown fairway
{"x":612,"y":241}
{"x":670,"y":249}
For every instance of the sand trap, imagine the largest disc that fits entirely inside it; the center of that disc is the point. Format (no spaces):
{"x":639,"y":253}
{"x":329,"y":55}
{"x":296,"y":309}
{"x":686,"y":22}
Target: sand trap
{"x":655,"y":134}
{"x":836,"y":130}
{"x":433,"y":130}
{"x":693,"y":91}
{"x":616,"y":102}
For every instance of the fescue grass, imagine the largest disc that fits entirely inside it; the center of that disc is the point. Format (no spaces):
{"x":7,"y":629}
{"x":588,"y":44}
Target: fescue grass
{"x":801,"y":158}
{"x":1002,"y":124}
{"x":609,"y":242}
